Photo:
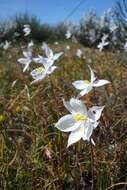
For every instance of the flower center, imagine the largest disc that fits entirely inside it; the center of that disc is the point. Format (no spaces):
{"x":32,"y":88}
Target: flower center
{"x":40,"y":69}
{"x":80,"y":117}
{"x":86,"y":82}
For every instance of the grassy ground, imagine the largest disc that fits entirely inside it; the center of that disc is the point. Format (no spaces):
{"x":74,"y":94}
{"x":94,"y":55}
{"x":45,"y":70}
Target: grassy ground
{"x":27,"y":124}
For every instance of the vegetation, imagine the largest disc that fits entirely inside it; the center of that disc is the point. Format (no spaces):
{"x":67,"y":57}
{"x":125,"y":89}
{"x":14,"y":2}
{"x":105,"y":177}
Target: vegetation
{"x":33,"y":153}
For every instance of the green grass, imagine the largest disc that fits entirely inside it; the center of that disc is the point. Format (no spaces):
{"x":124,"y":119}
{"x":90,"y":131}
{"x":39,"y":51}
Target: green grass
{"x":27,"y":129}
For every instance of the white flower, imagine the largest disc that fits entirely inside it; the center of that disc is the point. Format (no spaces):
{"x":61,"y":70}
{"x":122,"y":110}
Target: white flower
{"x":41,"y":72}
{"x":103,"y":42}
{"x":50,"y":56}
{"x":79,"y":122}
{"x":68,"y":34}
{"x":30,"y":45}
{"x":113,"y":27}
{"x":79,"y":53}
{"x":26,"y":29}
{"x":6,"y":45}
{"x":125,"y":47}
{"x":68,"y":47}
{"x":56,"y":43}
{"x":86,"y":86}
{"x":26,"y":60}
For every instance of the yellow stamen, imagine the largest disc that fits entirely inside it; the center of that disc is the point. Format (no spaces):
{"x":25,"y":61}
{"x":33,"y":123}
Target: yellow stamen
{"x":80,"y":117}
{"x":86,"y":82}
{"x":2,"y":118}
{"x":39,"y":69}
{"x":18,"y":109}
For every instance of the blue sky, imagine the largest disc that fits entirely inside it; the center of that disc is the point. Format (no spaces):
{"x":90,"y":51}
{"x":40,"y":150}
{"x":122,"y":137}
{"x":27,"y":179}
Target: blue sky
{"x":52,"y":11}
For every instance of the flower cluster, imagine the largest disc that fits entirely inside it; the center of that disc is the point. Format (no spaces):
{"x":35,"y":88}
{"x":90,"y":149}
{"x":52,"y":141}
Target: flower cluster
{"x":81,"y":121}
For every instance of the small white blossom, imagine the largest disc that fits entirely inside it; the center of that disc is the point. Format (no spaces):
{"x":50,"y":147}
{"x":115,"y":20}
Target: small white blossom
{"x":86,"y":86}
{"x":50,"y":56}
{"x":125,"y":47}
{"x":103,"y":42}
{"x":30,"y":45}
{"x":68,"y":34}
{"x":113,"y":27}
{"x":6,"y":45}
{"x":79,"y":53}
{"x":79,"y":122}
{"x":26,"y":29}
{"x":68,"y":47}
{"x":26,"y":60}
{"x":40,"y":73}
{"x":56,"y":43}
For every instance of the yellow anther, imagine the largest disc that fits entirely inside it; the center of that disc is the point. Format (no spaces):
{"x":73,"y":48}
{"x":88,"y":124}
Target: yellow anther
{"x":80,"y":117}
{"x":40,"y":69}
{"x":18,"y":109}
{"x":2,"y":118}
{"x":86,"y":82}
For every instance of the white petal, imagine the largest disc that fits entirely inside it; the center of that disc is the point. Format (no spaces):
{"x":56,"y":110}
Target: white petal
{"x":100,"y":83}
{"x":79,"y":84}
{"x":26,"y":67}
{"x":93,"y":78}
{"x":51,"y":69}
{"x":86,"y":91}
{"x":75,"y":136}
{"x":91,"y":115}
{"x":57,"y":55}
{"x":48,"y":51}
{"x":95,"y":124}
{"x":97,"y":111}
{"x":47,"y":62}
{"x":78,"y":106}
{"x":88,"y":130}
{"x":67,"y":123}
{"x":68,"y":106}
{"x":38,"y":75}
{"x":106,"y":43}
{"x":27,"y":54}
{"x":92,"y":141}
{"x":23,"y":61}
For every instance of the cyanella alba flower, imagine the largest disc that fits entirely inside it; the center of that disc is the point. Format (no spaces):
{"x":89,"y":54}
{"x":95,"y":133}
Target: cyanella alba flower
{"x":79,"y":122}
{"x":6,"y":45}
{"x":50,"y":56}
{"x":26,"y":29}
{"x":86,"y":86}
{"x":56,"y":43}
{"x":79,"y":53}
{"x":125,"y":47}
{"x":41,"y":72}
{"x":103,"y":42}
{"x":26,"y":60}
{"x":30,"y":45}
{"x":68,"y":34}
{"x":68,"y":47}
{"x":113,"y":27}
